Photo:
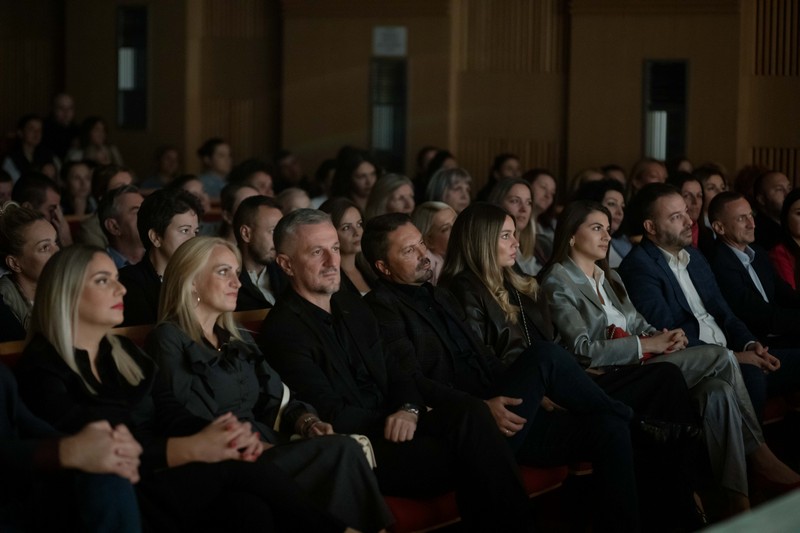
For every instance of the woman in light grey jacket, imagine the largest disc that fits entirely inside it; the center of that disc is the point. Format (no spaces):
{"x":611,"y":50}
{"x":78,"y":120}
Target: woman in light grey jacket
{"x":596,"y":320}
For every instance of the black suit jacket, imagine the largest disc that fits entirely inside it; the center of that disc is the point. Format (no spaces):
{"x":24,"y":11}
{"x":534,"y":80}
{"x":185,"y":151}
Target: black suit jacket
{"x":297,"y":346}
{"x":779,"y":316}
{"x":250,"y":297}
{"x":144,"y":287}
{"x":413,"y":337}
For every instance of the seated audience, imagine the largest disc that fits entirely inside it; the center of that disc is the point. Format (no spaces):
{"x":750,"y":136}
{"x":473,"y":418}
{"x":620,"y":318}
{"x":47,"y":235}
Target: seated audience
{"x":255,"y":173}
{"x":543,"y":209}
{"x":60,"y":131}
{"x":215,"y":155}
{"x":644,"y":171}
{"x":356,"y":274}
{"x":504,"y":166}
{"x":451,"y":186}
{"x":231,"y":197}
{"x":38,"y":192}
{"x":597,"y":321}
{"x":678,"y":164}
{"x":581,"y":178}
{"x":672,"y":286}
{"x":712,"y":179}
{"x":167,"y":164}
{"x":27,"y":241}
{"x":769,"y":191}
{"x":117,"y":215}
{"x":195,"y":475}
{"x":292,"y":199}
{"x":94,"y":145}
{"x":166,"y":219}
{"x":291,"y":174}
{"x":324,"y":176}
{"x":28,"y":153}
{"x":85,"y":479}
{"x":193,"y":185}
{"x":393,"y":193}
{"x":212,"y":366}
{"x":434,"y":220}
{"x":104,"y":178}
{"x":786,"y":253}
{"x":610,"y":193}
{"x":424,"y":156}
{"x":615,"y":172}
{"x":326,"y":344}
{"x":768,"y":306}
{"x":514,"y":196}
{"x":692,"y":191}
{"x":425,"y":329}
{"x":442,"y":159}
{"x":77,"y":198}
{"x":261,"y":278}
{"x":356,"y":174}
{"x":6,"y":186}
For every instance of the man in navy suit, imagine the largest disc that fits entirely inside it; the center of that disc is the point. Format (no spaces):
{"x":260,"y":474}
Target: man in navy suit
{"x":672,"y":286}
{"x":765,"y":302}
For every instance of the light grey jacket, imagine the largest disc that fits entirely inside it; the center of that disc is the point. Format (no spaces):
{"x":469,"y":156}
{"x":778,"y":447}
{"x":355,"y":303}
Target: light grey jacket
{"x":579,"y":318}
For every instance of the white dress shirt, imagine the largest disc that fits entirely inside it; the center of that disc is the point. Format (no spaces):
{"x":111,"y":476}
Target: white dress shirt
{"x":261,"y":280}
{"x":747,"y":258}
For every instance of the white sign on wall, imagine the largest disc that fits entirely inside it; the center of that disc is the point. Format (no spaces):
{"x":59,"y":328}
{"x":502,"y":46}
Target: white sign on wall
{"x":389,"y":41}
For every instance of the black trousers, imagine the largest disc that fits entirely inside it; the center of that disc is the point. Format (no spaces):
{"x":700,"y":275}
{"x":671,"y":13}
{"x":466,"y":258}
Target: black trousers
{"x":458,"y":446}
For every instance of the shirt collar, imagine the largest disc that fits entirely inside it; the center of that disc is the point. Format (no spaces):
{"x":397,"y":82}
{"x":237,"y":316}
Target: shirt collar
{"x":746,"y":256}
{"x":681,"y":261}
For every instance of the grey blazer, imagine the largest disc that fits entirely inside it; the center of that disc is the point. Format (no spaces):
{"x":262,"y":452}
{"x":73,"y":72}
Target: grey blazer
{"x":580,"y":320}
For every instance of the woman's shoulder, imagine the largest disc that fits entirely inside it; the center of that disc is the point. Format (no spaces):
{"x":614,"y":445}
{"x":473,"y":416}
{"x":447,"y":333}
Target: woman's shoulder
{"x":554,"y":275}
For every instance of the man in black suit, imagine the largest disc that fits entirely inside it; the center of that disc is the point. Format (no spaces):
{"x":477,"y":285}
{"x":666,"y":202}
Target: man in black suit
{"x":327,"y":346}
{"x":769,"y":191}
{"x":262,"y":280}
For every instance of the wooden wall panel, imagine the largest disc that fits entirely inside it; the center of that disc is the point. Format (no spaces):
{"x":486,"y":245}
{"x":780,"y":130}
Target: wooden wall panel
{"x":476,"y":154}
{"x":786,"y":160}
{"x":777,"y":38}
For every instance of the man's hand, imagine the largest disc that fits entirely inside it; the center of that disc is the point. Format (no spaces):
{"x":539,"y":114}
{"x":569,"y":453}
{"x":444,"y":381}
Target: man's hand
{"x":508,"y":422}
{"x":759,"y":356}
{"x":400,"y":426}
{"x":549,"y":405}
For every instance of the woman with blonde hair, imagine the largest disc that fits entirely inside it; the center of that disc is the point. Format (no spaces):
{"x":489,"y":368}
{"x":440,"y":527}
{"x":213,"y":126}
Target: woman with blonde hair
{"x":515,"y":196}
{"x":392,"y":193}
{"x":434,"y":220}
{"x":196,"y":475}
{"x":212,"y":366}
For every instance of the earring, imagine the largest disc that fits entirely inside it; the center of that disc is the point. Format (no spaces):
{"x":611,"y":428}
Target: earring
{"x":572,"y":241}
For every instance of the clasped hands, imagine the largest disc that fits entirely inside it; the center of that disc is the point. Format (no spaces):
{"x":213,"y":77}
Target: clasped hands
{"x":665,"y":341}
{"x":759,"y":356}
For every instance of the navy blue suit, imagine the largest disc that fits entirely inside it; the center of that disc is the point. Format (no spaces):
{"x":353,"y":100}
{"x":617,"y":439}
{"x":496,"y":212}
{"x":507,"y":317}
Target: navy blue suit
{"x":656,"y":294}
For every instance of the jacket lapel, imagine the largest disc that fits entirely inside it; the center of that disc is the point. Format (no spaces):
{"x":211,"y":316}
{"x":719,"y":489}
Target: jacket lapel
{"x":654,"y":252}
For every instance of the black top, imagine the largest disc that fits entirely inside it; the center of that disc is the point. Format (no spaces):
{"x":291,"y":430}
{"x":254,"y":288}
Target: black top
{"x":144,"y":287}
{"x":10,"y":328}
{"x":768,"y":232}
{"x":58,"y":394}
{"x":250,"y":297}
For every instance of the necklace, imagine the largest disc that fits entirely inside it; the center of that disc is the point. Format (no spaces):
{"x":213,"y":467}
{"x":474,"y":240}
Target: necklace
{"x":522,"y":316}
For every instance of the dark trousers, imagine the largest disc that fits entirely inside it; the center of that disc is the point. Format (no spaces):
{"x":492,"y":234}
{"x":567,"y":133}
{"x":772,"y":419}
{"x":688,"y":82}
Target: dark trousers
{"x":762,"y":386}
{"x":594,"y":428}
{"x":457,"y":446}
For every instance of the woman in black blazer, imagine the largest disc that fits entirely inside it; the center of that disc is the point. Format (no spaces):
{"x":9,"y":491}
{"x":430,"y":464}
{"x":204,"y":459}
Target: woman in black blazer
{"x":212,"y":366}
{"x":196,"y":475}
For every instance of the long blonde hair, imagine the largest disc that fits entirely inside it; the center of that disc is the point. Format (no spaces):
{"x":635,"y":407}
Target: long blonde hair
{"x":473,"y":247}
{"x":177,"y":300}
{"x":55,"y":310}
{"x":526,"y":237}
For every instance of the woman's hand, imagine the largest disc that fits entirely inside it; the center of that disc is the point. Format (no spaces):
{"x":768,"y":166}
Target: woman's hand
{"x":226,"y":438}
{"x":664,"y":341}
{"x":508,"y":421}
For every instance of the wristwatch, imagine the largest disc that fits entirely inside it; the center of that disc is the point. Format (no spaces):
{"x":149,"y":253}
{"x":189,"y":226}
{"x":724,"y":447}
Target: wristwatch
{"x":410,"y":408}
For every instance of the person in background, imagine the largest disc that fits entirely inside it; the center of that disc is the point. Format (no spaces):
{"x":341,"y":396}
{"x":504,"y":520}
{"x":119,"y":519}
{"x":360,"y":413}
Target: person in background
{"x":104,"y":178}
{"x":442,"y":159}
{"x":40,"y":193}
{"x":504,"y":166}
{"x":292,"y":174}
{"x":256,"y":174}
{"x":434,"y":220}
{"x":193,"y":185}
{"x":544,"y":209}
{"x":94,"y":144}
{"x":610,"y":193}
{"x":77,"y":198}
{"x":27,"y":153}
{"x":451,"y":186}
{"x":615,"y":172}
{"x":292,"y":199}
{"x":356,"y":174}
{"x":215,"y":155}
{"x":231,"y":197}
{"x":60,"y":132}
{"x":644,"y":171}
{"x":6,"y":186}
{"x":769,"y":192}
{"x":117,"y":215}
{"x":692,"y":191}
{"x":356,"y":275}
{"x":786,"y":253}
{"x":262,"y":280}
{"x":167,"y":165}
{"x":712,"y":179}
{"x":166,"y":219}
{"x":393,"y":193}
{"x":515,"y":197}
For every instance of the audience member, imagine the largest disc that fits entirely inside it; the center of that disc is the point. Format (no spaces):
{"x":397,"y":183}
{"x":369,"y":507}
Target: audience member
{"x":679,"y":164}
{"x":451,"y":186}
{"x":231,"y":198}
{"x":117,"y":215}
{"x":504,"y":166}
{"x":83,"y":479}
{"x":213,"y":366}
{"x":324,"y":176}
{"x":292,"y":199}
{"x":712,"y":179}
{"x":434,"y":220}
{"x":167,"y":165}
{"x":28,"y":153}
{"x":579,"y":179}
{"x":425,"y":329}
{"x":393,"y":193}
{"x":543,"y":209}
{"x":193,"y":185}
{"x":261,"y":278}
{"x":785,"y":254}
{"x":327,"y":346}
{"x":166,"y":219}
{"x":195,"y":475}
{"x":356,"y":274}
{"x":291,"y":174}
{"x":38,"y":192}
{"x":356,"y":174}
{"x":27,"y":241}
{"x":596,"y":319}
{"x":769,"y":191}
{"x":756,"y":294}
{"x":215,"y":155}
{"x":514,"y":196}
{"x":94,"y":144}
{"x":615,"y":172}
{"x":6,"y":186}
{"x":104,"y":178}
{"x":77,"y":179}
{"x":610,"y":193}
{"x":424,"y":156}
{"x":692,"y":192}
{"x":60,"y":131}
{"x":672,"y":285}
{"x":644,"y":171}
{"x":745,"y":180}
{"x":443,"y":159}
{"x":256,"y":174}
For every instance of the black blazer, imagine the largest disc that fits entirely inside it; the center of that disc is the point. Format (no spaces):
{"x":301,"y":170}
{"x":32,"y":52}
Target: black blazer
{"x":413,"y":338}
{"x":487,"y":320}
{"x":250,"y":297}
{"x":144,"y":287}
{"x":295,"y":344}
{"x":779,"y":316}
